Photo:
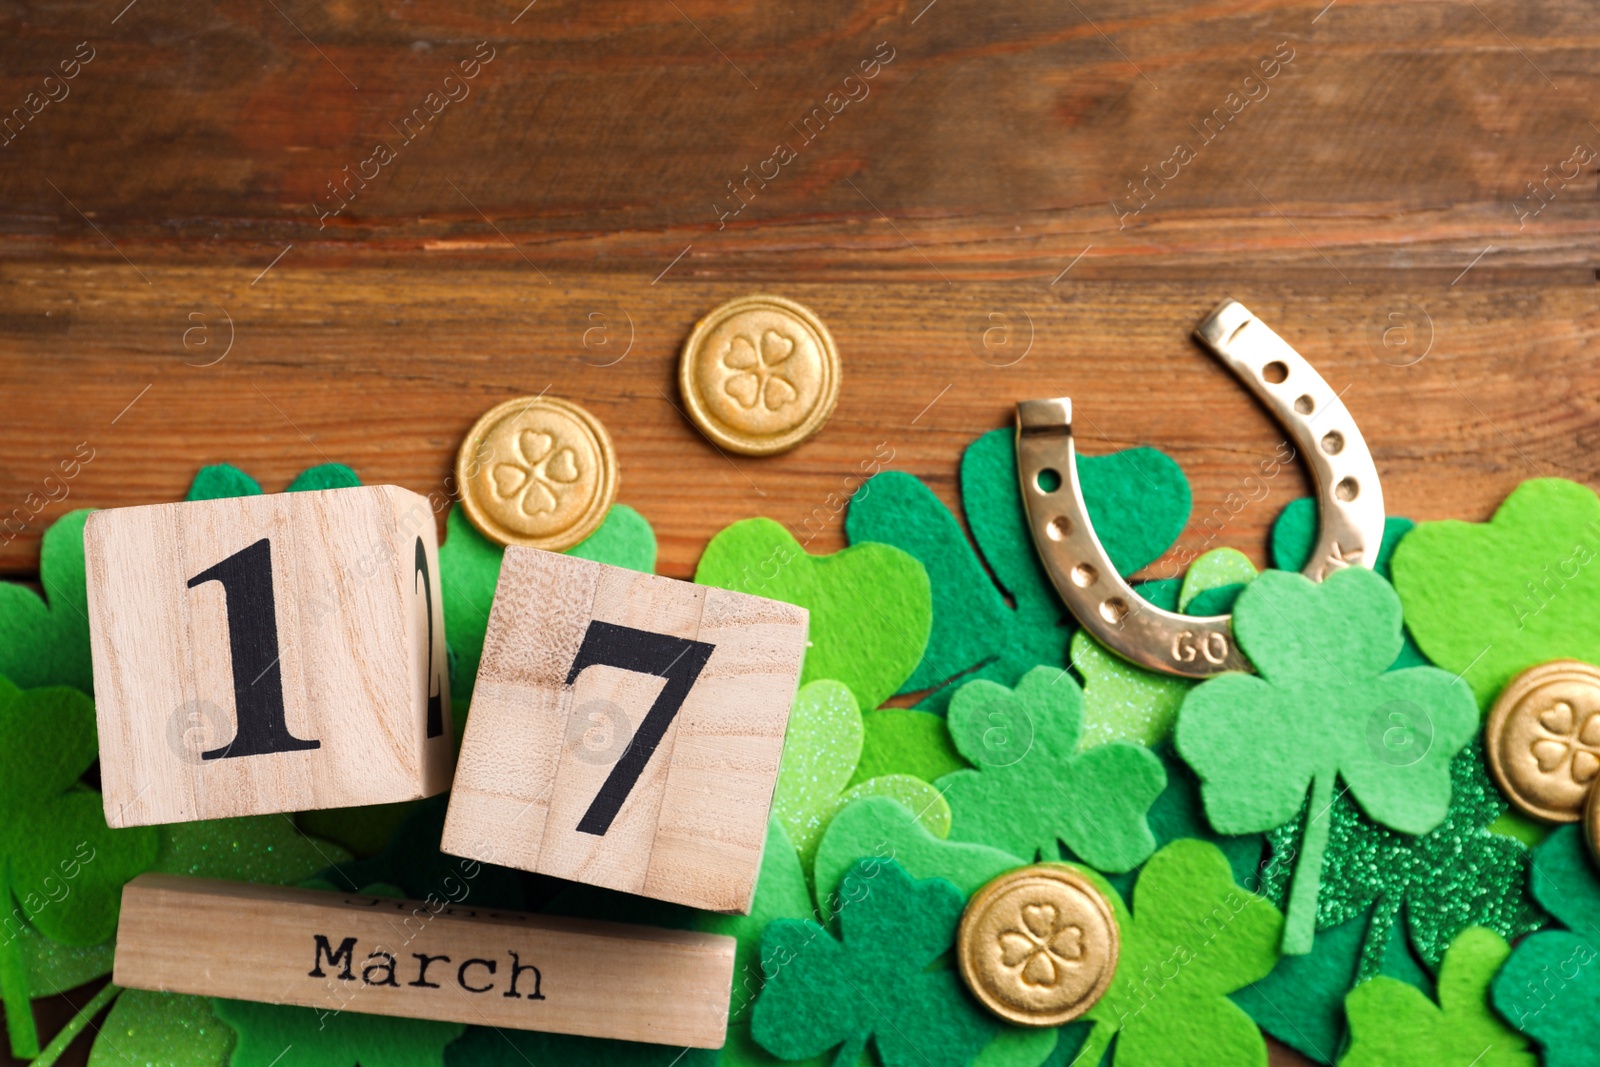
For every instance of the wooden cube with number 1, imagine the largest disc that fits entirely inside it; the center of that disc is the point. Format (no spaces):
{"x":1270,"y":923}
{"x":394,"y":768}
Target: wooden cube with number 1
{"x":267,"y":654}
{"x":626,"y":730}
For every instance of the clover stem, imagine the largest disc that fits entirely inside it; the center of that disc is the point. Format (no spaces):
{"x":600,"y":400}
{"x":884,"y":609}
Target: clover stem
{"x":1300,"y":925}
{"x":75,"y":1025}
{"x":20,"y":1026}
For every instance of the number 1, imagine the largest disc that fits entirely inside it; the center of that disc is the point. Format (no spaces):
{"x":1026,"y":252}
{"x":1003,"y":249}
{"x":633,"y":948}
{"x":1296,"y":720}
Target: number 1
{"x":678,"y":660}
{"x":246,"y":578}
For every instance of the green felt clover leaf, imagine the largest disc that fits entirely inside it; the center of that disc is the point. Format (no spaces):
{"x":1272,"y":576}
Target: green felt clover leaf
{"x":882,"y":827}
{"x":1393,"y":1024}
{"x":1550,"y":988}
{"x":1138,"y":500}
{"x":61,"y":867}
{"x":161,"y":1030}
{"x":874,"y":982}
{"x":870,"y":606}
{"x":820,"y":751}
{"x":1321,"y":710}
{"x":1294,"y":535}
{"x":906,"y":741}
{"x":1032,"y":787}
{"x":469,"y":570}
{"x":1490,"y":599}
{"x":1457,"y":875}
{"x":42,"y":643}
{"x":1194,"y":936}
{"x":486,"y":1046}
{"x":306,"y":1037}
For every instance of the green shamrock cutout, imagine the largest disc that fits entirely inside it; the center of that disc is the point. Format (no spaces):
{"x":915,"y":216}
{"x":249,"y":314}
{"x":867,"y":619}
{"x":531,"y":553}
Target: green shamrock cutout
{"x":1458,"y":874}
{"x":1294,"y":535}
{"x":1550,"y":988}
{"x":306,"y":1037}
{"x":162,"y":1030}
{"x":61,"y":867}
{"x":1490,"y":599}
{"x":1122,"y":702}
{"x":44,"y":643}
{"x":1032,"y":787}
{"x":882,"y":827}
{"x":1321,"y":710}
{"x":1193,"y":937}
{"x":906,"y":741}
{"x":874,"y":982}
{"x":1138,"y":500}
{"x":469,"y":570}
{"x":1393,"y":1024}
{"x":870,"y":605}
{"x":821,"y":749}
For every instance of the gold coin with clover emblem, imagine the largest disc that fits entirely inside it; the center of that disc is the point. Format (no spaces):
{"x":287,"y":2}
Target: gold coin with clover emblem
{"x":537,"y":471}
{"x":1543,"y":739}
{"x":759,"y":375}
{"x":1038,"y":945}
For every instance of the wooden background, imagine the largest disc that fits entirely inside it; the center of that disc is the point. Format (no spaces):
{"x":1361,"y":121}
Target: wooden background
{"x":1404,"y":204}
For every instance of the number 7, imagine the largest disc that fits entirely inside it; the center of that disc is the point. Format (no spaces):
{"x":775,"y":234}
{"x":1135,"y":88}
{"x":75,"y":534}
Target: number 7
{"x":678,"y":660}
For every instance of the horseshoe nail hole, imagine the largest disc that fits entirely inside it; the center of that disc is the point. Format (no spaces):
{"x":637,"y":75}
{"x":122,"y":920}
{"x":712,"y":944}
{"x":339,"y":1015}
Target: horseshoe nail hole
{"x":1048,"y":480}
{"x":1058,"y":528}
{"x":1305,"y":405}
{"x":1347,"y":489}
{"x":1275,"y":372}
{"x":1333,"y":444}
{"x":1084,"y":575}
{"x":1114,"y":610}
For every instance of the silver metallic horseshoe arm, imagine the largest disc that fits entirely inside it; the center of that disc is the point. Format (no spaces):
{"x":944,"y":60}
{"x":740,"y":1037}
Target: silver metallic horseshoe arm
{"x":1349,"y":502}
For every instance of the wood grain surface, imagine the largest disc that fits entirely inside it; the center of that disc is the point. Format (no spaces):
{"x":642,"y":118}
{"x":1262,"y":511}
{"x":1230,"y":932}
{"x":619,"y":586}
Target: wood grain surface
{"x":1410,"y":200}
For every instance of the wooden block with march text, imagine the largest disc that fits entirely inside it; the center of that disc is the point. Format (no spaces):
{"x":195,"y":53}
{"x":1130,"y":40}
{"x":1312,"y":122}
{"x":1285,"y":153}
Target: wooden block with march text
{"x":267,"y":654}
{"x":626,"y":730}
{"x":453,"y":962}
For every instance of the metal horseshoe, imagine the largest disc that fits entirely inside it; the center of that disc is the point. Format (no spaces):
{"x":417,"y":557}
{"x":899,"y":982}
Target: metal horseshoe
{"x":1349,"y":502}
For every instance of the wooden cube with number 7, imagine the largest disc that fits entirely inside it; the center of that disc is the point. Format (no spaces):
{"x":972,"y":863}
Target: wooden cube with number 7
{"x":267,"y":654}
{"x":626,"y":730}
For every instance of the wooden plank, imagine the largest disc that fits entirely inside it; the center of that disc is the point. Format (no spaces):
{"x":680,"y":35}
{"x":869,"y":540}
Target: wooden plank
{"x":626,"y":730}
{"x":383,"y":956}
{"x":267,"y":654}
{"x":1001,"y":139}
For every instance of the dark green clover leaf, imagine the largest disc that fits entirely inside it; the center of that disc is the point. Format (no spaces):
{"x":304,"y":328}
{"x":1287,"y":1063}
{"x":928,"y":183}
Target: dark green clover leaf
{"x":1320,"y":711}
{"x":1032,"y":787}
{"x":1194,"y":937}
{"x":1138,"y":500}
{"x":61,"y":866}
{"x":1457,"y":875}
{"x":873,"y":984}
{"x":1550,"y":988}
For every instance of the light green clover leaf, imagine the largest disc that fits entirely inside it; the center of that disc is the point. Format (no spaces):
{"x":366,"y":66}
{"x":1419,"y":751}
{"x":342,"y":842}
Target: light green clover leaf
{"x":1309,"y":719}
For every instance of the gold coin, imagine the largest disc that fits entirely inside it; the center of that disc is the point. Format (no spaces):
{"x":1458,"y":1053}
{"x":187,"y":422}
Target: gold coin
{"x":759,"y":375}
{"x":537,"y":471}
{"x":1038,"y":945}
{"x":1543,"y":739}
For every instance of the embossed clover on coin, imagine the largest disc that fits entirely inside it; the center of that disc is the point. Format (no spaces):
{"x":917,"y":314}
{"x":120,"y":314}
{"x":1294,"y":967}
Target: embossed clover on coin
{"x":1570,"y":740}
{"x":762,"y":378}
{"x":545,"y":469}
{"x":1045,"y":944}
